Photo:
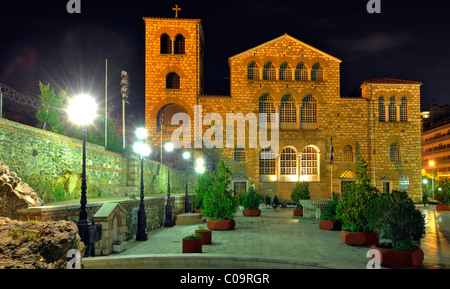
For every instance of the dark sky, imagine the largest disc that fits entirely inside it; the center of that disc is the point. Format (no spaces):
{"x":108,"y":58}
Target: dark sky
{"x":40,"y":40}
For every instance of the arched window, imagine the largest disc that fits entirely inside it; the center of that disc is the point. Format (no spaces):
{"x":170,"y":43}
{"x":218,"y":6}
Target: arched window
{"x":267,"y":162}
{"x":166,"y":113}
{"x":301,"y":72}
{"x":317,"y":72}
{"x":269,"y":71}
{"x":166,"y":44}
{"x":404,"y":183}
{"x":172,"y":81}
{"x":266,"y":108}
{"x":252,"y":71}
{"x":347,"y":155}
{"x":288,"y":109}
{"x":288,"y":161}
{"x":309,"y":168}
{"x":381,"y":109}
{"x":404,"y":109}
{"x":309,"y":109}
{"x":394,"y":153}
{"x":178,"y":44}
{"x":392,"y":109}
{"x":285,"y":72}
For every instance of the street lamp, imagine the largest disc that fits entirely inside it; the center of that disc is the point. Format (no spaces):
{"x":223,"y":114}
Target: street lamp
{"x":432,"y":163}
{"x":143,"y":150}
{"x":187,"y":209}
{"x":169,"y":222}
{"x":200,"y":168}
{"x":82,"y":111}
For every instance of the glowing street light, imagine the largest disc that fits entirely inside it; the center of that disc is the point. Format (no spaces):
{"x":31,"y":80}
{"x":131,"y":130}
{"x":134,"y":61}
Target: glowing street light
{"x":200,"y":168}
{"x":83,"y":110}
{"x":169,"y":222}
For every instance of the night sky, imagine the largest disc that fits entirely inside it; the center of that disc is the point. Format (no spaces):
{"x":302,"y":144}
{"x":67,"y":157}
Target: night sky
{"x":41,"y":41}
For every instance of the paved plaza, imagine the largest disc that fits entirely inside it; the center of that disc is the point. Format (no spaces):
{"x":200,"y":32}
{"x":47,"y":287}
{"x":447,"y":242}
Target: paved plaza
{"x":271,"y":241}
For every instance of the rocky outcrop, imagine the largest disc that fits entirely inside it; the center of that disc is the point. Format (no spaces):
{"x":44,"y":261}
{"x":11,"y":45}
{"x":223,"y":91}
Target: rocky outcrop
{"x":15,"y":194}
{"x":37,"y":245}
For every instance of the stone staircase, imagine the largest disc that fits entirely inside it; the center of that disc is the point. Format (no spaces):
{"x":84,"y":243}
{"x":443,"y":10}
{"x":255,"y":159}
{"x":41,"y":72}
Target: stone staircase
{"x":189,"y":219}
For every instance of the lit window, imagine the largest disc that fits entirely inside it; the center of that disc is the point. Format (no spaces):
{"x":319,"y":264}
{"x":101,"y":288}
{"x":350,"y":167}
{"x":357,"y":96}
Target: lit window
{"x":381,"y":109}
{"x":288,"y":161}
{"x":394,"y":153}
{"x":288,"y":109}
{"x":178,"y":45}
{"x":392,"y":109}
{"x":301,"y":72}
{"x":269,"y":71}
{"x":266,"y":108}
{"x":267,"y":162}
{"x":347,"y":156}
{"x":309,"y":109}
{"x":404,"y":183}
{"x":252,"y":71}
{"x":317,"y":72}
{"x":404,"y":109}
{"x":285,"y":72}
{"x":310,"y":165}
{"x":166,"y":44}
{"x":172,"y":81}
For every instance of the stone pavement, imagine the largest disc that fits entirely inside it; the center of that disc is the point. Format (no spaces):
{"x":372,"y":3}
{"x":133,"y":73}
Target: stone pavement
{"x":270,"y":241}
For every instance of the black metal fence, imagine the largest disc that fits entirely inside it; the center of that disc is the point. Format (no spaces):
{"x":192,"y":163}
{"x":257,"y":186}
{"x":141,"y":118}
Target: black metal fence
{"x":17,"y":106}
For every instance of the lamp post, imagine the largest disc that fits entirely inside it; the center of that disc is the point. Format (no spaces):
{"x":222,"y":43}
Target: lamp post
{"x":169,"y":222}
{"x":432,"y":163}
{"x":187,"y":207}
{"x":143,"y":150}
{"x":82,"y":110}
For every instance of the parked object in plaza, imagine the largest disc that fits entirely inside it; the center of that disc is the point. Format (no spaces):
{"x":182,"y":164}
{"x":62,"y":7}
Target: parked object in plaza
{"x":192,"y":244}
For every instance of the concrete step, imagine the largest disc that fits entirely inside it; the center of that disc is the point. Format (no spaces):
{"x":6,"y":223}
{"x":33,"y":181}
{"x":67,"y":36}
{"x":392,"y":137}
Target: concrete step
{"x":189,"y":219}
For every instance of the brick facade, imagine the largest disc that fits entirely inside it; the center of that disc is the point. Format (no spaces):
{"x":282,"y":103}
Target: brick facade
{"x":309,"y":105}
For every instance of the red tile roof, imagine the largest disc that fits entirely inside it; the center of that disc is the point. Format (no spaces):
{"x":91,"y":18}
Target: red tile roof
{"x":392,"y":81}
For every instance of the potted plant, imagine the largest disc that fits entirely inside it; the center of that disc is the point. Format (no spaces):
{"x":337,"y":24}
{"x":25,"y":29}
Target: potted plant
{"x":300,"y":192}
{"x":328,"y":220}
{"x":394,"y":217}
{"x":219,"y":201}
{"x":267,"y":201}
{"x":251,"y":202}
{"x":203,"y":182}
{"x":205,"y":233}
{"x":275,"y":203}
{"x":192,"y":243}
{"x":351,"y":209}
{"x":443,"y":195}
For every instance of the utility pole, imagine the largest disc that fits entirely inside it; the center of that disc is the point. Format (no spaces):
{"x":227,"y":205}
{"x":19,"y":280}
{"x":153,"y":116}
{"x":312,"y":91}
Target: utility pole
{"x":106,"y":104}
{"x":124,"y":83}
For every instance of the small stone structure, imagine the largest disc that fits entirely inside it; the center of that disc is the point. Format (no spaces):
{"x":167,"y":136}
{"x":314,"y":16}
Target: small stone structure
{"x":112,"y":216}
{"x":313,"y":208}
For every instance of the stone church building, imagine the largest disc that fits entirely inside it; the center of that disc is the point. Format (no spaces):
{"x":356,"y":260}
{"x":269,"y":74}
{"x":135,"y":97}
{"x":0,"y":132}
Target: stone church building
{"x":297,"y":84}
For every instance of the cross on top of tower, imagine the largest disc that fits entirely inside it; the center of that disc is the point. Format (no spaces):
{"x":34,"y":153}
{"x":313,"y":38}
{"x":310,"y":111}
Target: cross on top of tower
{"x":176,"y":9}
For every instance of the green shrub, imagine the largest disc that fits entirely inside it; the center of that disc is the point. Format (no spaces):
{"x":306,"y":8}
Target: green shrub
{"x":442,"y":194}
{"x":251,"y":199}
{"x":330,"y":210}
{"x":219,"y":201}
{"x":393,"y":216}
{"x":267,"y":200}
{"x":275,"y":203}
{"x":193,"y":236}
{"x":300,"y":192}
{"x":204,"y":182}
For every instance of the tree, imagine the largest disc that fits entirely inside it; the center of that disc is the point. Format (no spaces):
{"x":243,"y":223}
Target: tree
{"x":51,"y":113}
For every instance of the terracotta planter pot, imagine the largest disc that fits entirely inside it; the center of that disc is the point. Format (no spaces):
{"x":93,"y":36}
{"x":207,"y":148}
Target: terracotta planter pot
{"x":192,"y":246}
{"x":298,"y":212}
{"x":206,"y":236}
{"x":221,"y":225}
{"x":251,"y":213}
{"x":398,"y":258}
{"x":198,"y":211}
{"x":442,"y":208}
{"x":359,"y":238}
{"x":330,"y":225}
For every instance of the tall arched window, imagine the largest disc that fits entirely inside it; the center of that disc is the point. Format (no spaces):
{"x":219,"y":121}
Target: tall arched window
{"x":178,"y":44}
{"x":301,"y":72}
{"x":288,"y":161}
{"x":165,"y":44}
{"x":269,"y":71}
{"x":381,"y":109}
{"x":404,"y":109}
{"x":392,"y":109}
{"x":266,"y":108}
{"x":347,"y":155}
{"x":285,"y":72}
{"x":404,"y":183}
{"x":317,"y":72}
{"x":309,"y":168}
{"x":252,"y":71}
{"x":172,"y":81}
{"x":267,"y":162}
{"x":394,"y":153}
{"x":309,"y":109}
{"x":288,"y":109}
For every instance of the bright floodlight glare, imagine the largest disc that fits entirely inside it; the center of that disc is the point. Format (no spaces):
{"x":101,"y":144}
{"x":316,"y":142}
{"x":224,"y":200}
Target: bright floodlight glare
{"x":200,"y":169}
{"x":432,"y":163}
{"x":141,"y":148}
{"x":169,"y":147}
{"x":186,"y":155}
{"x":200,"y":162}
{"x":141,"y":133}
{"x":82,"y":109}
{"x":425,"y":181}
